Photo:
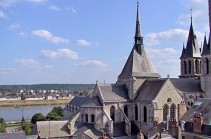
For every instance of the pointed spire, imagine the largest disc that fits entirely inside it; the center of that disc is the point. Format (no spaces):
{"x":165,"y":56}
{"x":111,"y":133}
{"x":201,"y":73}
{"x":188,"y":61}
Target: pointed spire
{"x":183,"y":52}
{"x":138,"y":30}
{"x":192,"y":48}
{"x":205,"y":48}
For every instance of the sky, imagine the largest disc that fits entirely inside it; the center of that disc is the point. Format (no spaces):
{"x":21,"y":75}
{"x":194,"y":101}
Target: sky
{"x":84,"y":41}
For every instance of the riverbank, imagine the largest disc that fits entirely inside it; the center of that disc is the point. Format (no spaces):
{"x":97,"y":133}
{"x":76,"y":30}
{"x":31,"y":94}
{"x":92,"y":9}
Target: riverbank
{"x":18,"y":103}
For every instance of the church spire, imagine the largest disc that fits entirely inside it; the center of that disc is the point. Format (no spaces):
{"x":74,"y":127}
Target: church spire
{"x":138,"y":37}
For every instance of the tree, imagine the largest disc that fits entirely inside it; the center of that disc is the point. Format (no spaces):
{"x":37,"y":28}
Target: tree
{"x":26,"y":128}
{"x":37,"y":117}
{"x":2,"y":126}
{"x":23,"y":97}
{"x":56,"y":114}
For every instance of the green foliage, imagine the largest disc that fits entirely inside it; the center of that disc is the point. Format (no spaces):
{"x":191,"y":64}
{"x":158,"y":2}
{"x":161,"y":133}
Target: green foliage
{"x":38,"y":117}
{"x":26,"y":127}
{"x":56,"y":114}
{"x":2,"y":126}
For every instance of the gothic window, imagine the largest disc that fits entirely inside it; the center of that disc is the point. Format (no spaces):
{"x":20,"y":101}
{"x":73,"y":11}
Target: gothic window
{"x":173,"y":111}
{"x":189,"y":62}
{"x":136,"y":112}
{"x":197,"y":66}
{"x":185,"y":67}
{"x":165,"y":112}
{"x":145,"y":114}
{"x":92,"y":118}
{"x":112,"y":113}
{"x":126,"y":110}
{"x":207,"y":66}
{"x":87,"y":118}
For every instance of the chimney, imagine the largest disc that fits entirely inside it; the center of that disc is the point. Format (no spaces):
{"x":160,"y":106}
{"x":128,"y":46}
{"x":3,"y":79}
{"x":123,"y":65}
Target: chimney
{"x":182,"y":108}
{"x":140,"y":135}
{"x":197,"y":122}
{"x":172,"y":125}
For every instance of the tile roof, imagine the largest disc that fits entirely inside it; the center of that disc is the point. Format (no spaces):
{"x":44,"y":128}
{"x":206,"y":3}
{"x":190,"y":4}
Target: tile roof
{"x":150,"y":89}
{"x":203,"y":106}
{"x":187,"y":84}
{"x":51,"y":128}
{"x":114,"y":92}
{"x":79,"y":100}
{"x":20,"y":135}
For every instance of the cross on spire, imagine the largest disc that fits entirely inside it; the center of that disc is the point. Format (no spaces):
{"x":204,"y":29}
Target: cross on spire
{"x":191,"y":12}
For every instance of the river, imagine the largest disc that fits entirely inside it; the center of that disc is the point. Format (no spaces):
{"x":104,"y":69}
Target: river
{"x":15,"y":114}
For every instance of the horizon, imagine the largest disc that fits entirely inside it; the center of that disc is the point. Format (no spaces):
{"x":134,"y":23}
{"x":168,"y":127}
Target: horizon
{"x":81,"y":42}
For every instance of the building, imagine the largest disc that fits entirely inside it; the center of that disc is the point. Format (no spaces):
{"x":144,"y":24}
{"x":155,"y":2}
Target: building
{"x":141,"y":100}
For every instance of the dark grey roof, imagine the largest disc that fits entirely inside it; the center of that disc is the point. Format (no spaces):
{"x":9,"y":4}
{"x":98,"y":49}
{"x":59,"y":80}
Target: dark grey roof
{"x":138,"y":27}
{"x":139,"y":66}
{"x":83,"y":128}
{"x":94,"y":102}
{"x":187,"y":84}
{"x":13,"y":135}
{"x":183,"y":52}
{"x":150,"y":89}
{"x":113,"y":92}
{"x":192,"y":48}
{"x":203,"y":106}
{"x":205,"y":50}
{"x":79,"y":100}
{"x":51,"y":128}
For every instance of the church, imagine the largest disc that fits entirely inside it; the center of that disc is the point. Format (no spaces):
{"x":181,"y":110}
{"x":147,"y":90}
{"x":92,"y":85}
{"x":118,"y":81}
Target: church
{"x":141,"y":100}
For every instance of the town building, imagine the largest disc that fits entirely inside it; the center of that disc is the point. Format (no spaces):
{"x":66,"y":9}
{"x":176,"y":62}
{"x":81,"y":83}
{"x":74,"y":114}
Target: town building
{"x":142,"y":104}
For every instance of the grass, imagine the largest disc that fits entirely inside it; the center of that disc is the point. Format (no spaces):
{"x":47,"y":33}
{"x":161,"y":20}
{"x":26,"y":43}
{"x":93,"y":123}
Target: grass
{"x":18,"y":103}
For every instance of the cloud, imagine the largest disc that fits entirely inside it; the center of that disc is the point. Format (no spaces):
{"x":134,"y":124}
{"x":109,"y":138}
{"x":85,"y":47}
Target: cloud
{"x":83,"y":42}
{"x":49,"y":36}
{"x":54,"y":8}
{"x":7,"y":70}
{"x":95,"y":63}
{"x":173,"y":35}
{"x":29,"y":63}
{"x":14,"y":26}
{"x":66,"y":53}
{"x":23,"y":34}
{"x":72,"y":9}
{"x":162,"y":53}
{"x":8,"y":3}
{"x":2,"y":14}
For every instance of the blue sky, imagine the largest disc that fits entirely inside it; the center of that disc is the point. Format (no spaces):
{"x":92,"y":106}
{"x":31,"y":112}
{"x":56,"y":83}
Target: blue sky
{"x":81,"y":41}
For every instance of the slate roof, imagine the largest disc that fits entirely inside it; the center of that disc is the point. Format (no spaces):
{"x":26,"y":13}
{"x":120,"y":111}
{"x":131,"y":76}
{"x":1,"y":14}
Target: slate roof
{"x":51,"y":128}
{"x":206,"y":49}
{"x":79,"y":100}
{"x":114,"y":92}
{"x":21,"y":135}
{"x":150,"y":89}
{"x":203,"y":106}
{"x":187,"y":85}
{"x":94,"y":102}
{"x":192,"y":48}
{"x":139,"y":66}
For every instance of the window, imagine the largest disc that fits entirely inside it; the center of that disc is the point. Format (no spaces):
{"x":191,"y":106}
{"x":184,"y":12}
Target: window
{"x":185,"y":67}
{"x":136,"y":112}
{"x":87,"y":118}
{"x":207,"y":66}
{"x":145,"y":114}
{"x":173,"y":111}
{"x":165,"y":112}
{"x":197,"y":66}
{"x":112,"y":113}
{"x":126,"y":110}
{"x":189,"y":67}
{"x":92,"y":118}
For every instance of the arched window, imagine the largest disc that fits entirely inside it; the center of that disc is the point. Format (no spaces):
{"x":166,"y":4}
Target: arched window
{"x":145,"y":114}
{"x":200,"y":66}
{"x":112,"y":113}
{"x":87,"y":118}
{"x":126,"y":110}
{"x":185,"y":67}
{"x":197,"y":66}
{"x":173,"y":111}
{"x":136,"y":112}
{"x":165,"y":112}
{"x":207,"y":66}
{"x":92,"y":118}
{"x":189,"y":66}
